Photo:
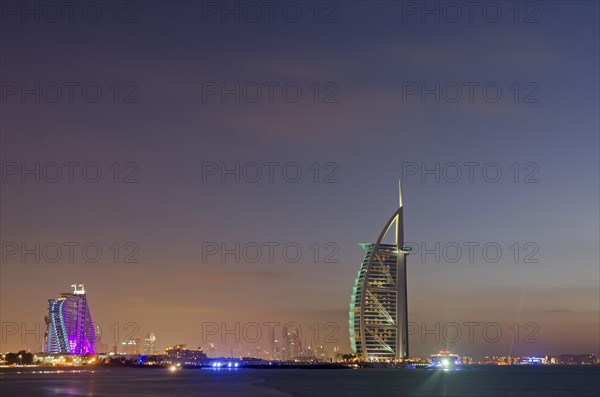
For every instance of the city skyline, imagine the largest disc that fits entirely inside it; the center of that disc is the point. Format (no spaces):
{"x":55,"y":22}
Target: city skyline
{"x":187,"y":203}
{"x":70,"y":331}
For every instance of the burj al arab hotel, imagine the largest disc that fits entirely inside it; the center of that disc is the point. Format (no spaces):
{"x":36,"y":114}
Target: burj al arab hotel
{"x":378,"y":307}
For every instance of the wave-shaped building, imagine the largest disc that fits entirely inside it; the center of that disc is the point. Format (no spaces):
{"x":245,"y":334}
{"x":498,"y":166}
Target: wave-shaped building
{"x":70,"y":329}
{"x":378,"y":306}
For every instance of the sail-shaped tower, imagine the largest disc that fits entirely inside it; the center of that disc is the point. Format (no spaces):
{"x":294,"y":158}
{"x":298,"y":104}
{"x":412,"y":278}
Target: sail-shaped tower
{"x":378,"y":306}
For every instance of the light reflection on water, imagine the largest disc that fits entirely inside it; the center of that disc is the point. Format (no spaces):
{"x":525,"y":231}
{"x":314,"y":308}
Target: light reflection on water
{"x":161,"y":382}
{"x":58,"y":371}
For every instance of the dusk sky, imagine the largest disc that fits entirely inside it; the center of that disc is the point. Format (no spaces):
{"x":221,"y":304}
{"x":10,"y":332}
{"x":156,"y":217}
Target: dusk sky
{"x":170,"y":127}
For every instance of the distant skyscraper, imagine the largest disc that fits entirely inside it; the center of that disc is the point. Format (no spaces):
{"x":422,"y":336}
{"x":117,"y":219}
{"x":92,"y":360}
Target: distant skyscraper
{"x":70,"y":327}
{"x":378,"y":307}
{"x":293,"y":344}
{"x":150,"y":343}
{"x":100,"y":346}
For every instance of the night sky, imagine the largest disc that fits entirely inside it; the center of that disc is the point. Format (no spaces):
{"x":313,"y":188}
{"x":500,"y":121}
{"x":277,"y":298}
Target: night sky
{"x":360,"y":125}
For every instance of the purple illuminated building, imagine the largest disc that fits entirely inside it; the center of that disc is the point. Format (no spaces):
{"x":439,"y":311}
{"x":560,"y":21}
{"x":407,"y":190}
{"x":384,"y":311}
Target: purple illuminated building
{"x":70,"y":327}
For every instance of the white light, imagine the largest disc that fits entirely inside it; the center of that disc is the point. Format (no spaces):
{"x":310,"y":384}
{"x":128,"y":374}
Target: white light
{"x":400,"y":193}
{"x":173,"y":368}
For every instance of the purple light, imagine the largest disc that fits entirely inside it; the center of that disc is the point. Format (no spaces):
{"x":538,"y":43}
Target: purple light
{"x":71,"y":330}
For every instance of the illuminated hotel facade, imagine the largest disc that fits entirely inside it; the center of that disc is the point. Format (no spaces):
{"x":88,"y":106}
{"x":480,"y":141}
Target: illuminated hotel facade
{"x":378,"y":318}
{"x":70,"y":329}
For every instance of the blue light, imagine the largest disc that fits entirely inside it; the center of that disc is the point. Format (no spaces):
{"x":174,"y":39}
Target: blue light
{"x":236,"y":365}
{"x":535,"y":360}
